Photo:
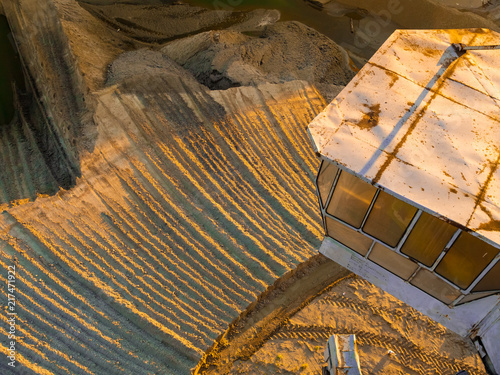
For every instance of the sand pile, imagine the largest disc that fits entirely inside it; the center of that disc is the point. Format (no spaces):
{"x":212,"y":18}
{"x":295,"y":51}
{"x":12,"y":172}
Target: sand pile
{"x":285,"y":51}
{"x":191,"y":203}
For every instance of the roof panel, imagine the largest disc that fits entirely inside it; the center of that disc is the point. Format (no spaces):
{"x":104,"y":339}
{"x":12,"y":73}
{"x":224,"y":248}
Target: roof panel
{"x":423,"y":122}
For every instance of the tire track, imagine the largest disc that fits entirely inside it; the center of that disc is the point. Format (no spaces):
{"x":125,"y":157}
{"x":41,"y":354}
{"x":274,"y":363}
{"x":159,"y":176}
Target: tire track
{"x":408,"y":314}
{"x":407,"y":353}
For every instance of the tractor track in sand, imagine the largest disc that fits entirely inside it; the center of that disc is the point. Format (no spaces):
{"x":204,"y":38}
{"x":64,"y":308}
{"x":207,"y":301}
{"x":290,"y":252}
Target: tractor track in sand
{"x":273,"y":318}
{"x":407,"y":353}
{"x":264,"y":318}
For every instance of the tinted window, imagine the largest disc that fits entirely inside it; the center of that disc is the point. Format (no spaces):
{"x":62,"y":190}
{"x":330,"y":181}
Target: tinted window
{"x":351,"y":199}
{"x":389,"y":219}
{"x":465,"y":260}
{"x":428,"y":239}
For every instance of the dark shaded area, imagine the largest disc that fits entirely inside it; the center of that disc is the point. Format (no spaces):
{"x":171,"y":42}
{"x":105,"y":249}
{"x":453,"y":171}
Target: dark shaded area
{"x":216,"y":80}
{"x":33,"y":159}
{"x":180,"y":20}
{"x":10,"y":73}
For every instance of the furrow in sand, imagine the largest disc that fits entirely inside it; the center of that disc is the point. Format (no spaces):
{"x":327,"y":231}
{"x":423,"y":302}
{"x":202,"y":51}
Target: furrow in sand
{"x":190,"y":261}
{"x":262,"y":238}
{"x":248,"y":194}
{"x":108,"y":200}
{"x":78,"y":303}
{"x":167,"y":265}
{"x":220,"y":211}
{"x":202,"y":137}
{"x":215,"y":187}
{"x":99,"y":284}
{"x":37,"y":319}
{"x":159,"y":273}
{"x":216,"y":158}
{"x":214,"y":237}
{"x":260,"y":131}
{"x":293,"y":127}
{"x":203,"y":216}
{"x":261,"y":157}
{"x":292,"y":120}
{"x":277,"y":159}
{"x":275,"y":128}
{"x":9,"y":165}
{"x":248,"y":197}
{"x":177,"y":265}
{"x":142,"y":195}
{"x":118,"y":220}
{"x":249,"y":240}
{"x":269,"y":190}
{"x":138,"y":293}
{"x":41,"y":311}
{"x":282,"y":187}
{"x":146,"y":293}
{"x":162,"y":179}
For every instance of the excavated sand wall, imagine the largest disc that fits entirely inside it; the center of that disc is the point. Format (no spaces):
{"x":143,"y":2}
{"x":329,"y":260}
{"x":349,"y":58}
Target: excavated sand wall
{"x":58,"y":89}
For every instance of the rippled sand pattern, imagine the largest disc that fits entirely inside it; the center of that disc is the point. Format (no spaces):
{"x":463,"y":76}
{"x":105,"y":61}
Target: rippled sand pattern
{"x":191,"y":203}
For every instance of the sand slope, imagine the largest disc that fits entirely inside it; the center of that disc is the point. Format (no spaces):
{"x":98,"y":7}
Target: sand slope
{"x":190,"y":204}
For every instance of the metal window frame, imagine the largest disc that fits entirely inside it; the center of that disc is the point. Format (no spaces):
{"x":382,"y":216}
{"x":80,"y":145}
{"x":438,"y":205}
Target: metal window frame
{"x":409,"y":229}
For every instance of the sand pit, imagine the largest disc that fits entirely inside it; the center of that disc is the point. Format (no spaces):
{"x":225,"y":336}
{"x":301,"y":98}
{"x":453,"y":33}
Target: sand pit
{"x":188,"y":204}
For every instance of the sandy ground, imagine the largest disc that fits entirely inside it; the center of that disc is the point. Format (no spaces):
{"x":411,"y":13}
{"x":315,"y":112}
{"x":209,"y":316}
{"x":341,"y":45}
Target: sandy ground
{"x":392,"y":338}
{"x":191,"y":203}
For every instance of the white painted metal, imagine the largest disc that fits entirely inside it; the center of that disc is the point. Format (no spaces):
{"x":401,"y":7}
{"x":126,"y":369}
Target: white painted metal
{"x":341,"y":355}
{"x":421,"y":121}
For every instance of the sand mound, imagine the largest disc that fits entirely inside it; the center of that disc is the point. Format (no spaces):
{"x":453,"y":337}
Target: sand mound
{"x":284,"y":51}
{"x":155,"y":22}
{"x":143,"y":63}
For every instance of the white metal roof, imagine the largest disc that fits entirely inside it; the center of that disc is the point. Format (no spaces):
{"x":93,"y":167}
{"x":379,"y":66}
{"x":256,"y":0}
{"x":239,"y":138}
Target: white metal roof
{"x":423,"y":121}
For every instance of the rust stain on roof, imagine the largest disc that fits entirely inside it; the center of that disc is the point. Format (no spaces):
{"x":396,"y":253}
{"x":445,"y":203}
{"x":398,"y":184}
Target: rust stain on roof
{"x":438,"y":112}
{"x":371,"y":118}
{"x":448,"y":71}
{"x":393,"y":76}
{"x":482,"y":192}
{"x":490,"y":226}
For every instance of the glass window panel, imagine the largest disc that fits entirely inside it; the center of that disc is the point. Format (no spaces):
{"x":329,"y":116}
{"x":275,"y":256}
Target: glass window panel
{"x":428,"y":239}
{"x":326,"y":175}
{"x":440,"y":289}
{"x":348,"y":237}
{"x":490,"y":281}
{"x":389,"y":219}
{"x":351,"y":199}
{"x":473,"y":297}
{"x":392,"y":261}
{"x":465,"y":260}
